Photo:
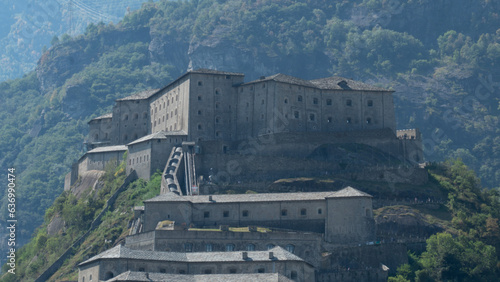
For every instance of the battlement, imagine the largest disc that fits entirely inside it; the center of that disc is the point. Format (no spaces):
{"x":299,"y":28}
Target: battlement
{"x":412,"y":134}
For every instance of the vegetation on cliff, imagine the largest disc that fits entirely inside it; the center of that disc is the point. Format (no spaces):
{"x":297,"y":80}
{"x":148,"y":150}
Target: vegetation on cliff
{"x":77,"y":215}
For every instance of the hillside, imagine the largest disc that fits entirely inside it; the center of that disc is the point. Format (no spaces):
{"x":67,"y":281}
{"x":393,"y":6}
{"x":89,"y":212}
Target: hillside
{"x":29,"y":27}
{"x":443,"y":68}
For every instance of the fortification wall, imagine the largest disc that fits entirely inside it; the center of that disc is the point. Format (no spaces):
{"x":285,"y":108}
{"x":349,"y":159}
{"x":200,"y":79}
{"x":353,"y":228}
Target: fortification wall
{"x":303,"y":244}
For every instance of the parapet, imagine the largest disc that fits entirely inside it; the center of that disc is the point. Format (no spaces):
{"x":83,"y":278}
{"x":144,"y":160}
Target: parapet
{"x":413,"y":134}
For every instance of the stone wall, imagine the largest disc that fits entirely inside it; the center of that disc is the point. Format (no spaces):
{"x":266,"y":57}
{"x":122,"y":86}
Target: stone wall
{"x":306,"y":245}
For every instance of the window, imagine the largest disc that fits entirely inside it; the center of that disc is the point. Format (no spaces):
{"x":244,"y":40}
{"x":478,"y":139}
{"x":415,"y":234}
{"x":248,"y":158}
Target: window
{"x":262,"y":102}
{"x":188,"y":247}
{"x":200,"y":83}
{"x":207,"y":271}
{"x":261,"y":270}
{"x":368,"y":120}
{"x":286,"y":101}
{"x":369,"y":103}
{"x":320,"y":211}
{"x":208,"y":247}
{"x":217,"y":105}
{"x":270,"y":246}
{"x":348,"y":120}
{"x":141,"y":269}
{"x":299,"y":98}
{"x":312,"y":117}
{"x":217,"y":119}
{"x":284,"y":212}
{"x":217,"y":92}
{"x":328,"y":102}
{"x":293,"y":274}
{"x":303,"y":212}
{"x":329,"y":120}
{"x":250,"y":247}
{"x":90,"y":277}
{"x":199,"y":98}
{"x":348,"y":102}
{"x":199,"y":112}
{"x":125,"y":117}
{"x":136,"y":116}
{"x":206,"y":214}
{"x":182,"y":271}
{"x":315,"y":101}
{"x":225,"y":213}
{"x":199,"y":127}
{"x":229,"y":247}
{"x":163,"y":270}
{"x":83,"y":279}
{"x":232,"y":270}
{"x":264,"y":85}
{"x":290,"y":248}
{"x":296,"y":114}
{"x":244,"y":213}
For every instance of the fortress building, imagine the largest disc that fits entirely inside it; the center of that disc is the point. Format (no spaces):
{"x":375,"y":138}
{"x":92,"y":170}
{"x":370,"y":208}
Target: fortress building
{"x":210,"y":127}
{"x":221,"y":120}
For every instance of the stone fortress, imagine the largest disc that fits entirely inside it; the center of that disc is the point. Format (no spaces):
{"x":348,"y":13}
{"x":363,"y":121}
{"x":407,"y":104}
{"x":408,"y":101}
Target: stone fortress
{"x":209,"y":127}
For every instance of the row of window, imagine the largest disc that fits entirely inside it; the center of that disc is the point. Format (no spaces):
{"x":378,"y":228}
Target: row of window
{"x":188,"y":247}
{"x":329,"y":102}
{"x":246,"y":213}
{"x":138,"y":160}
{"x":136,"y":116}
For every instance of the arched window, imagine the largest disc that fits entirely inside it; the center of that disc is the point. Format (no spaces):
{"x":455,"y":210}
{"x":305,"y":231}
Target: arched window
{"x":348,"y":102}
{"x":244,"y":213}
{"x":108,"y":275}
{"x":284,"y":212}
{"x":188,"y":247}
{"x":270,"y":246}
{"x":368,"y":121}
{"x":303,"y":212}
{"x":370,"y":103}
{"x":209,"y":247}
{"x":290,"y":248}
{"x":328,"y":102}
{"x":299,"y":98}
{"x":315,"y":101}
{"x":125,"y":117}
{"x":250,"y":247}
{"x":229,"y":247}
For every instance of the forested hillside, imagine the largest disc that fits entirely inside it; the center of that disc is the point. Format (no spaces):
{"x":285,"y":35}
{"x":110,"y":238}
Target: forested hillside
{"x":441,"y":57}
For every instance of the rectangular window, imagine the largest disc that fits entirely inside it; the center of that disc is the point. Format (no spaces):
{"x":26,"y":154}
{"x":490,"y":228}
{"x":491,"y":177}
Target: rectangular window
{"x":225,"y":213}
{"x":206,"y":214}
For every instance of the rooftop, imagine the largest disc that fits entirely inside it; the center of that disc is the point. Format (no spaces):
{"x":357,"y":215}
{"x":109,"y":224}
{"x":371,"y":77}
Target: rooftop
{"x":209,"y":71}
{"x":122,"y":252}
{"x":261,"y":197}
{"x":153,"y":276}
{"x":328,"y":83}
{"x":110,"y":115}
{"x":141,"y":95}
{"x":158,"y":135}
{"x":108,"y":149}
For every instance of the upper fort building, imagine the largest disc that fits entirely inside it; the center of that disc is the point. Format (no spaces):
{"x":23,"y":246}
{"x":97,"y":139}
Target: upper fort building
{"x":219,"y":112}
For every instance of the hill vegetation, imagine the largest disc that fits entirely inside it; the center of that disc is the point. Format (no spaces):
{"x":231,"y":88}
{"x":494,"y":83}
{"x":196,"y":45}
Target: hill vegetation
{"x":442,"y":64}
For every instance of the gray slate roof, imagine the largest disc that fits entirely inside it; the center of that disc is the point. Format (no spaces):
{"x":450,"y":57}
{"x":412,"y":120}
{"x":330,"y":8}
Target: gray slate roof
{"x":110,"y":115}
{"x":209,"y":71}
{"x":116,"y":148}
{"x":153,"y":276}
{"x":158,"y":135}
{"x":141,"y":95}
{"x":261,"y":197}
{"x":122,"y":252}
{"x":328,"y":83}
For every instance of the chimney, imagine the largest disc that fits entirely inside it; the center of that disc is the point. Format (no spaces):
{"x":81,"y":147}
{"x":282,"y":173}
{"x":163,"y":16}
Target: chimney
{"x":271,"y":255}
{"x":245,"y":255}
{"x":210,"y":198}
